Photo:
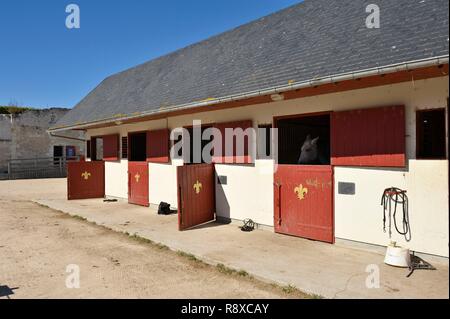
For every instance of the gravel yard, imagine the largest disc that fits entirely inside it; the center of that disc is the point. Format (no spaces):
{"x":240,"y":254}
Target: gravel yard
{"x":37,"y":244}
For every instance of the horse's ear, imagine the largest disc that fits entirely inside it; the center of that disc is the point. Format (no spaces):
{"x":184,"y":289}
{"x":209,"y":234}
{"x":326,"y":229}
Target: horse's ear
{"x":308,"y":138}
{"x":314,"y":141}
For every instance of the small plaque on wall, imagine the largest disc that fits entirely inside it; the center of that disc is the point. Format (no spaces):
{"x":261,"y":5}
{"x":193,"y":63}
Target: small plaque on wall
{"x":222,"y":180}
{"x":346,"y":188}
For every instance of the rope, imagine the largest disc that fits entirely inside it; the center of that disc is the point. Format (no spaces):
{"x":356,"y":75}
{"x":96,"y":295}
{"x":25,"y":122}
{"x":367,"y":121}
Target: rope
{"x":391,"y":199}
{"x":249,"y":225}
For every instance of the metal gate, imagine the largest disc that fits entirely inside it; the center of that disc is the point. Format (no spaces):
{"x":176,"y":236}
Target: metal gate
{"x":138,"y":183}
{"x":85,"y":180}
{"x":196,"y":195}
{"x":304,"y":202}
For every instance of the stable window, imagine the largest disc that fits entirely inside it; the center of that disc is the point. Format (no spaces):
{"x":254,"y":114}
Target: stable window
{"x":88,"y":149}
{"x":97,"y":148}
{"x":264,"y":141}
{"x":236,"y":142}
{"x":430,"y":134}
{"x":158,"y":146}
{"x":304,"y":140}
{"x":195,"y":156}
{"x":177,"y":141}
{"x":137,"y":147}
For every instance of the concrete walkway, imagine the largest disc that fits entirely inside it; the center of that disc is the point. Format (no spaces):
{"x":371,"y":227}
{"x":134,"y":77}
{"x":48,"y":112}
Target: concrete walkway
{"x":332,"y":271}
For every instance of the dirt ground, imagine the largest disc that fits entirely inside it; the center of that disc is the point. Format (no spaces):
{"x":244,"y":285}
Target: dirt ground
{"x":37,"y":244}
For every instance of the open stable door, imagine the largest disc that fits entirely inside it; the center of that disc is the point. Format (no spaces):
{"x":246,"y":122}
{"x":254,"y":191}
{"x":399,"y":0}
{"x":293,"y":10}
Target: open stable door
{"x":85,"y":180}
{"x":138,"y":183}
{"x":303,"y":179}
{"x":304,"y":201}
{"x":196,"y":195}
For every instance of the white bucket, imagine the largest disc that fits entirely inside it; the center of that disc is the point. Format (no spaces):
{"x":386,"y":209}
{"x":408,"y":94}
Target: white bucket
{"x":397,"y":256}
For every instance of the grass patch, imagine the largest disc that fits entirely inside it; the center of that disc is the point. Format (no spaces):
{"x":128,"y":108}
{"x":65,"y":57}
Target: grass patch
{"x":243,"y":273}
{"x":161,"y":246}
{"x":140,"y":239}
{"x":188,"y":256}
{"x":79,"y":218}
{"x":289,"y":289}
{"x":230,"y":271}
{"x":224,"y":269}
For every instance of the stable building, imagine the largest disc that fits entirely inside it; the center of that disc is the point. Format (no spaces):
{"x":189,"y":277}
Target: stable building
{"x":376,"y":99}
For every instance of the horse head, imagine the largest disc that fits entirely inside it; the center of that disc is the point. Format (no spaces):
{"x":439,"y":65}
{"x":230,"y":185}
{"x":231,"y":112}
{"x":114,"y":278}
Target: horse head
{"x":309,"y":151}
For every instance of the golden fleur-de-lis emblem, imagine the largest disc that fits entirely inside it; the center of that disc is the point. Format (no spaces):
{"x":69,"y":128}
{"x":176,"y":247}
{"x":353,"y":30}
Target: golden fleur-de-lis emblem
{"x":86,"y":175}
{"x":198,"y":187}
{"x":137,"y":177}
{"x":301,"y":192}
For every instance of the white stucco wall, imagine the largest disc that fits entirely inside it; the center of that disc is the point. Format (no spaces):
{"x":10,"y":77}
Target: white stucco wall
{"x":359,"y":217}
{"x":116,"y":179}
{"x":249,"y":191}
{"x":163,"y":183}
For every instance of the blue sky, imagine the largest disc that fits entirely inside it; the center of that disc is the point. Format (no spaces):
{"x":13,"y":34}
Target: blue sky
{"x":44,"y":64}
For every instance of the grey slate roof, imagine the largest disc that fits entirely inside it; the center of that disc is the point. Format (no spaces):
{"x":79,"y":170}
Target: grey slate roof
{"x":312,"y":39}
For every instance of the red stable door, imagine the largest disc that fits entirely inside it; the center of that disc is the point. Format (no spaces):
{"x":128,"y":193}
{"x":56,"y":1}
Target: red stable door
{"x":85,"y":180}
{"x":196,"y":195}
{"x":304,"y":202}
{"x":138,"y":183}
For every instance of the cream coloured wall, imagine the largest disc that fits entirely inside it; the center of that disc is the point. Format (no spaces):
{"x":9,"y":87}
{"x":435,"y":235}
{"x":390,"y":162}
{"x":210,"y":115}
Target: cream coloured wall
{"x":116,"y":179}
{"x":249,"y":192}
{"x":163,"y":183}
{"x":359,"y":217}
{"x":427,"y":184}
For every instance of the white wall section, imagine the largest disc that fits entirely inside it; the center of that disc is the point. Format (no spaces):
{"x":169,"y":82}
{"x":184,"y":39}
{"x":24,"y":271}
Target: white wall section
{"x":116,"y":179}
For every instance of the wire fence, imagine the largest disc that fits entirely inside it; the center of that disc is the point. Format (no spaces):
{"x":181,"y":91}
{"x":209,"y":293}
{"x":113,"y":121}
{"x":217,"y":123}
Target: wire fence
{"x":49,"y":167}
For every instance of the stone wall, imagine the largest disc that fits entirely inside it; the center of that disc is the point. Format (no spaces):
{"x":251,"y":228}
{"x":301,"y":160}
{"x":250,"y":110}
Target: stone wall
{"x":5,"y":139}
{"x":25,"y":135}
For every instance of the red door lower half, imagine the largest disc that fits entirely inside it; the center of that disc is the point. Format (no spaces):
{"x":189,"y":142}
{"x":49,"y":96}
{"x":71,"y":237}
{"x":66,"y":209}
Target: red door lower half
{"x":196,"y":195}
{"x":85,"y":180}
{"x":304,"y":202}
{"x":138,"y":183}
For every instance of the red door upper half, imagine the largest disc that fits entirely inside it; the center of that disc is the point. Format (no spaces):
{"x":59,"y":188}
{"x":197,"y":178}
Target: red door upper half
{"x":196,"y":195}
{"x":304,"y":202}
{"x":85,"y":180}
{"x":138,"y":183}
